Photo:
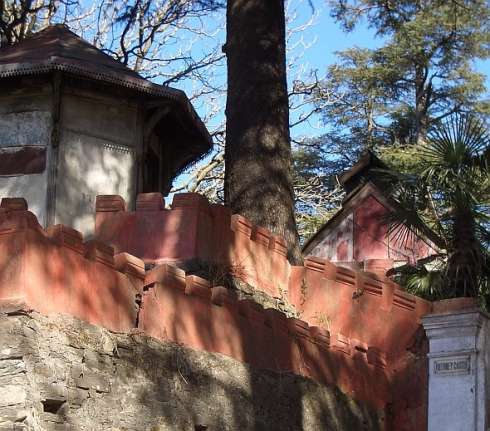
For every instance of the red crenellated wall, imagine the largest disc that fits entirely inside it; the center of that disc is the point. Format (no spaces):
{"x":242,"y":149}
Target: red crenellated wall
{"x":194,"y":229}
{"x":357,"y":330}
{"x":371,"y":319}
{"x":357,"y":304}
{"x":185,"y":309}
{"x":54,"y":271}
{"x":362,"y":309}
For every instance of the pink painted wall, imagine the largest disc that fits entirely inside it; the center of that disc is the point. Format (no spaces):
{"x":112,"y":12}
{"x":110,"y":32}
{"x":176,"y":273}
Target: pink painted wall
{"x":54,"y":271}
{"x":362,"y":236}
{"x":370,"y":234}
{"x":368,"y":313}
{"x":185,"y":309}
{"x":194,"y":229}
{"x":357,"y":330}
{"x":338,"y":243}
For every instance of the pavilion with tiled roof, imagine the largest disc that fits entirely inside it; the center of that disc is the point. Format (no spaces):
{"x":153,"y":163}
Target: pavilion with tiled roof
{"x":74,"y":123}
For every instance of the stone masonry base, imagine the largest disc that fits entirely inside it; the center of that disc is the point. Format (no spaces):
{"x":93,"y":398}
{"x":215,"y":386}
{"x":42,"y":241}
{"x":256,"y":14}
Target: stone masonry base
{"x":60,"y":373}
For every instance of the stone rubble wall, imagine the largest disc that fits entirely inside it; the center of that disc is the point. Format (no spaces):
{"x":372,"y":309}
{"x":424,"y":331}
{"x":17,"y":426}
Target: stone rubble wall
{"x":61,"y":373}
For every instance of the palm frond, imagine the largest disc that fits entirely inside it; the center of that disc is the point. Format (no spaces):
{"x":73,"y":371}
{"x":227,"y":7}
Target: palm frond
{"x":448,"y":204}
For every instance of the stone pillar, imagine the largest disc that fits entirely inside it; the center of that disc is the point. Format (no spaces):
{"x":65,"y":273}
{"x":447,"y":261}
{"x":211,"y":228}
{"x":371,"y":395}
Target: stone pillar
{"x":458,"y":352}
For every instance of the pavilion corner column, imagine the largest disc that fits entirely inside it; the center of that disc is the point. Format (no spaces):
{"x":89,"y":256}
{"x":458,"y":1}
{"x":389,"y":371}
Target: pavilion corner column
{"x":458,"y":354}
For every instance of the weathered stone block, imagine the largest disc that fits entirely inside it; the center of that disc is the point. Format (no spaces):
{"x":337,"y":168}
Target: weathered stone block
{"x":87,"y":379}
{"x":12,"y":394}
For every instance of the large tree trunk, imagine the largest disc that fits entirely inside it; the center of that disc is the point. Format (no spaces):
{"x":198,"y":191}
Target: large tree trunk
{"x":258,"y":181}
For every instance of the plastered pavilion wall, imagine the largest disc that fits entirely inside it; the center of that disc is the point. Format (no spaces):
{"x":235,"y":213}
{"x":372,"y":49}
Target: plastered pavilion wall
{"x":75,"y":123}
{"x":98,"y":138}
{"x":25,"y":131}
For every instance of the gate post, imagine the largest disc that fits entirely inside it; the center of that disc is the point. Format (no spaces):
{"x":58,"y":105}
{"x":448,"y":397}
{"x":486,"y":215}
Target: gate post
{"x":458,"y":351}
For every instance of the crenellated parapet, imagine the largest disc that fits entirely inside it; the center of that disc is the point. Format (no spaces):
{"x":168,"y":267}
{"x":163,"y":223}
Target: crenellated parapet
{"x":356,"y":330}
{"x":357,"y":304}
{"x":370,"y":320}
{"x":186,"y":309}
{"x":366,"y":309}
{"x":194,"y":229}
{"x":56,"y":271}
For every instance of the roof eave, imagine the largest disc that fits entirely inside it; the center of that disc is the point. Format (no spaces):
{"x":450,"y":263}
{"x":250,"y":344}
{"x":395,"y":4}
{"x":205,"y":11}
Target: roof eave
{"x":137,"y":84}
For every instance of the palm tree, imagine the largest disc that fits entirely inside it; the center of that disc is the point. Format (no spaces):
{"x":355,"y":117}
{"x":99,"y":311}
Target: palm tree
{"x":448,"y":204}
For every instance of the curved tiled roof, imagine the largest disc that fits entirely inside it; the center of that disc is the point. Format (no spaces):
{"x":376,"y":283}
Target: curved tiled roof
{"x":56,"y":48}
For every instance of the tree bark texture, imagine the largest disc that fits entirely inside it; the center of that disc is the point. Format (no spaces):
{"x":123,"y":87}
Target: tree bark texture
{"x":465,"y":259}
{"x":258,"y":181}
{"x":422,"y":102}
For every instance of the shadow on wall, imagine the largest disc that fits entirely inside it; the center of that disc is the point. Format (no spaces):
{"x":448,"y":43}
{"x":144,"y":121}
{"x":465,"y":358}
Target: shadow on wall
{"x":115,"y":381}
{"x":372,"y":321}
{"x":32,"y":187}
{"x":54,"y":271}
{"x":86,"y":169}
{"x":185,"y":310}
{"x":194,"y":230}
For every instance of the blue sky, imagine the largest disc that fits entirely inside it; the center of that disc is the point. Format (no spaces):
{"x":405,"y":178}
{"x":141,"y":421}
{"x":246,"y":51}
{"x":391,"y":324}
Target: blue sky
{"x":331,"y":38}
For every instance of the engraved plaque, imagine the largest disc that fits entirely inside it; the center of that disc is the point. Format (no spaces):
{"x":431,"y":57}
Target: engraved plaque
{"x":451,"y":366}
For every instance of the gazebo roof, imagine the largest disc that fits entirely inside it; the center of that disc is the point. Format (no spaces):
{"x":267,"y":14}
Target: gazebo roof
{"x":56,"y":48}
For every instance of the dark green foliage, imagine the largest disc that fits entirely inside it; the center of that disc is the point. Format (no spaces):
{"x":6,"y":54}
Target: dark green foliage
{"x":448,"y":202}
{"x":387,"y":99}
{"x":424,"y":71}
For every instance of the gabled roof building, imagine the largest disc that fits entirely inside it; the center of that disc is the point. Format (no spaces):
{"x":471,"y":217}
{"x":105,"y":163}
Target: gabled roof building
{"x":75,"y":123}
{"x":357,"y":235}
